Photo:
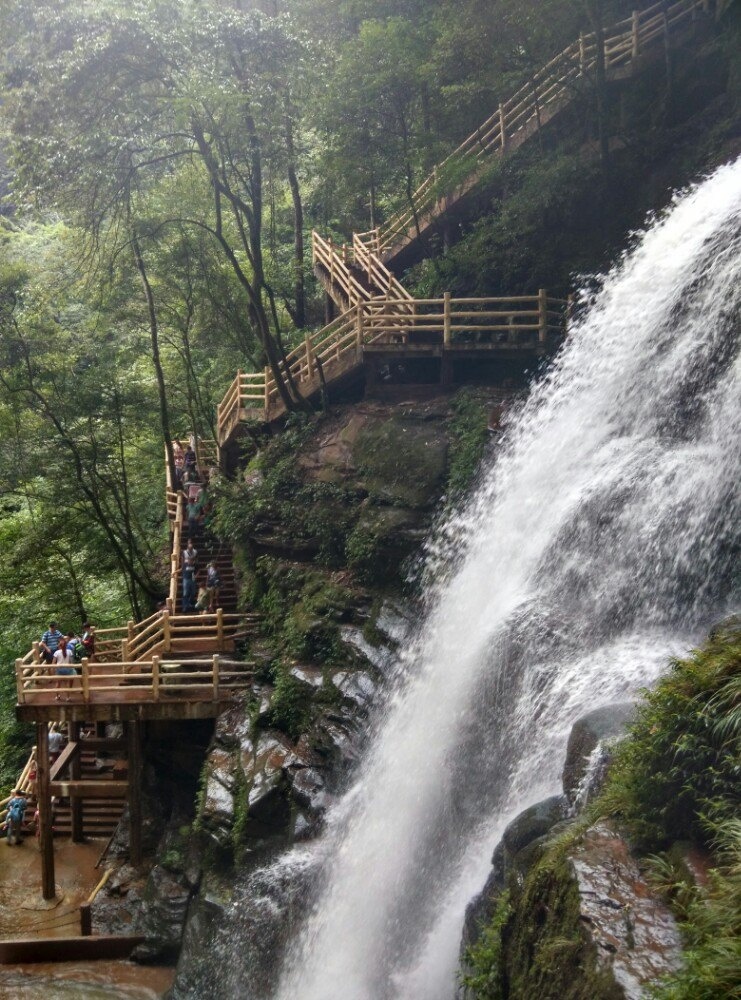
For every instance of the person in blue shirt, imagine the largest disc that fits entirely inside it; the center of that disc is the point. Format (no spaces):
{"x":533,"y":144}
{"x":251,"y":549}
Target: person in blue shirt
{"x":50,"y":642}
{"x":14,"y":817}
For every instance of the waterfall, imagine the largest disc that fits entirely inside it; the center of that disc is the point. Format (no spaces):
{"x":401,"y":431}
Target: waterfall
{"x":601,"y":541}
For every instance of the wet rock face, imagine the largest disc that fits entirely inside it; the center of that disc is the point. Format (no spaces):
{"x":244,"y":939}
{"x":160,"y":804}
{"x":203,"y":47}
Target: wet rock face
{"x":519,"y":847}
{"x":634,"y":932}
{"x":587,"y":752}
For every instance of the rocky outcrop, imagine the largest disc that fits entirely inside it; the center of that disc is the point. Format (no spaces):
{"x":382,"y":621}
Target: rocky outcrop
{"x":577,"y":919}
{"x":634,"y":933}
{"x":588,"y":749}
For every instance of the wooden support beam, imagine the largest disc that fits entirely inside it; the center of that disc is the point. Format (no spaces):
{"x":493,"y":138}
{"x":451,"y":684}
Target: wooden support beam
{"x":64,"y":760}
{"x":133,"y":733}
{"x":542,"y":316}
{"x":75,"y":802}
{"x":43,"y":794}
{"x":90,"y":789}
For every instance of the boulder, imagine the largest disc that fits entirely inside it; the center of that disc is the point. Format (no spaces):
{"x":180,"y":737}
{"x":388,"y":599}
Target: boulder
{"x":587,"y":752}
{"x":633,"y":930}
{"x":532,"y":824}
{"x":356,"y":686}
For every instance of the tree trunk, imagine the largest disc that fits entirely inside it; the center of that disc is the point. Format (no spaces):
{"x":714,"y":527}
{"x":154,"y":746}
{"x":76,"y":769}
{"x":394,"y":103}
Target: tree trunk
{"x":154,"y":335}
{"x":298,"y":227}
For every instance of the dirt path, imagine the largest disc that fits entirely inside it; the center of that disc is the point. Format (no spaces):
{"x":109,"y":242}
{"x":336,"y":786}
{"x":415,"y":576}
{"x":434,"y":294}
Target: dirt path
{"x":24,"y":914}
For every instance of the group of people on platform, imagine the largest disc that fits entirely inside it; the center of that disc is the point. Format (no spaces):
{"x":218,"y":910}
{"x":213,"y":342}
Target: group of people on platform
{"x":66,"y":651}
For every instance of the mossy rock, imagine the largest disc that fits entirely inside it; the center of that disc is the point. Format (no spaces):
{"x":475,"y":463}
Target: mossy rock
{"x":381,"y":540}
{"x":402,"y":462}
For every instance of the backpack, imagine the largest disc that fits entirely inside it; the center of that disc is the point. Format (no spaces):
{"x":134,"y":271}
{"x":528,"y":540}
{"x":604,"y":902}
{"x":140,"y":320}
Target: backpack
{"x":16,"y":810}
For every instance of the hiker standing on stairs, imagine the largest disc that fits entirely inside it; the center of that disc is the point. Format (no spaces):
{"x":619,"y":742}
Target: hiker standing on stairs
{"x":190,"y":557}
{"x":14,"y":817}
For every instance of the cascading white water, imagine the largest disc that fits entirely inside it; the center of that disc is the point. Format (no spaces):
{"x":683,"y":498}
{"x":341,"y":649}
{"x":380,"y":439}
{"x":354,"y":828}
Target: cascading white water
{"x":601,"y":541}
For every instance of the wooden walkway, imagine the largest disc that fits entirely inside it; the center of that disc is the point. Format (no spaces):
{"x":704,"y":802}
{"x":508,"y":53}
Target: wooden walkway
{"x":398,"y":330}
{"x":379,"y":320}
{"x":629,"y":46}
{"x":170,"y":667}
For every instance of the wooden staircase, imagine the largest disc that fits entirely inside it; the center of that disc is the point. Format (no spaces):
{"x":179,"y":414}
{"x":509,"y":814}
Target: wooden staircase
{"x":628,"y":47}
{"x":209,"y":548}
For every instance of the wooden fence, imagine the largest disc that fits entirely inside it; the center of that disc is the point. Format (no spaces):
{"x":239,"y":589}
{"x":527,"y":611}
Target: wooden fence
{"x":134,"y":681}
{"x":161,"y":633}
{"x":448,"y":322}
{"x":536,"y":102}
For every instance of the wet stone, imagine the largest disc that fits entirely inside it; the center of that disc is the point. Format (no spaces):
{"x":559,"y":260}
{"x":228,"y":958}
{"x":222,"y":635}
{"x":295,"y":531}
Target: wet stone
{"x":634,"y":932}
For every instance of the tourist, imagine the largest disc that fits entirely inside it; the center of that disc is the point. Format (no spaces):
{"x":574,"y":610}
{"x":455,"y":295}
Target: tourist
{"x":56,"y":743}
{"x":193,"y":513}
{"x":88,"y":640}
{"x":203,"y":604}
{"x":189,"y":461}
{"x":74,"y":645}
{"x":49,"y":642}
{"x":213,"y":582}
{"x":14,"y":816}
{"x":190,"y":557}
{"x":64,"y":664}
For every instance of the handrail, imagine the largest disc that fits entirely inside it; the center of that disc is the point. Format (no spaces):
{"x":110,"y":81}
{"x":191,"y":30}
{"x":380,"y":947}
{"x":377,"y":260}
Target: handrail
{"x":555,"y":82}
{"x":141,"y":681}
{"x":451,"y":322}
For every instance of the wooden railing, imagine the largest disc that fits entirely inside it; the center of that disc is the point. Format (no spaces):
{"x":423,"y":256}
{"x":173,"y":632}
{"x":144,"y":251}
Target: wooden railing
{"x":336,"y":265}
{"x":136,"y":681}
{"x":531,"y":106}
{"x":160,"y":633}
{"x":23,"y":784}
{"x":245,"y":396}
{"x":472,"y":322}
{"x":449,"y":322}
{"x":175,"y":552}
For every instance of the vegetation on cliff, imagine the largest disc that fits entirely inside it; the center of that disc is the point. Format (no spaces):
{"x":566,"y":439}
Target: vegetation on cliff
{"x":673,"y":787}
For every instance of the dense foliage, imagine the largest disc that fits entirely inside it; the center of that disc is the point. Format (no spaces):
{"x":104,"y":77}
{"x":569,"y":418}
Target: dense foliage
{"x":673,"y":786}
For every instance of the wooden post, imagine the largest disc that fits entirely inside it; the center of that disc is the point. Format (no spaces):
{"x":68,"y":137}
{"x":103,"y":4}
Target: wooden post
{"x":166,"y":632}
{"x":215,"y":663}
{"x":542,"y":316}
{"x":309,"y":356}
{"x":220,"y":629}
{"x":130,"y":631}
{"x":156,"y":678}
{"x":20,"y":694}
{"x":359,"y":327}
{"x":635,"y":34}
{"x":447,"y":335}
{"x":85,"y":679}
{"x":133,"y":733}
{"x":75,"y":803}
{"x":331,"y":261}
{"x":502,"y":127}
{"x":43,"y":798}
{"x":582,"y":54}
{"x":86,"y":920}
{"x":124,"y":651}
{"x":37,"y":652}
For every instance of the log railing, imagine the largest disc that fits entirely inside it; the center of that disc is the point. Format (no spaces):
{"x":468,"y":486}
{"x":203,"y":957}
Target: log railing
{"x":244,"y":398}
{"x":525,"y":111}
{"x":451,"y":323}
{"x":161,"y":633}
{"x":336,"y":265}
{"x":137,"y":681}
